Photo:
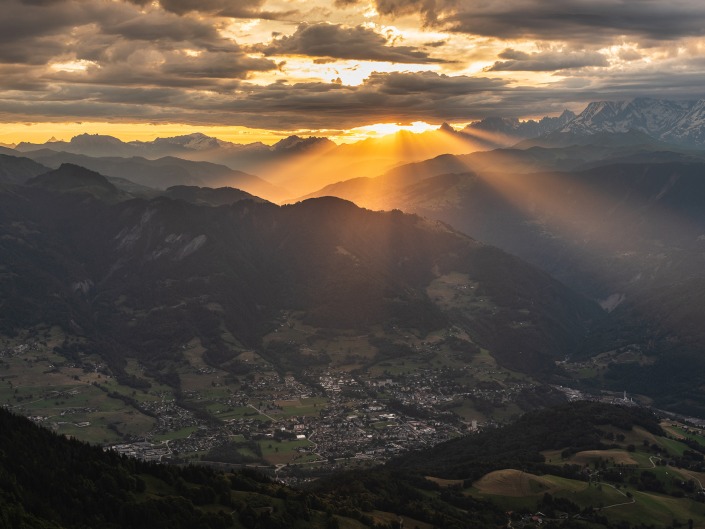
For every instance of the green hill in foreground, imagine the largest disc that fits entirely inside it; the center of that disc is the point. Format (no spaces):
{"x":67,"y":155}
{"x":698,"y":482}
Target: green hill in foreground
{"x":585,"y":465}
{"x":48,"y":481}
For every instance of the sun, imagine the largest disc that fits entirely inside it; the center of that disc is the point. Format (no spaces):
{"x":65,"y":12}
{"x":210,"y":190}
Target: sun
{"x":379,"y":130}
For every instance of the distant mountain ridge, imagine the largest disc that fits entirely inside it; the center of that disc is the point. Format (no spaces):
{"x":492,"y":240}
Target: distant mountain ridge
{"x":291,"y":167}
{"x":298,"y":166}
{"x":506,"y":131}
{"x":678,"y":122}
{"x":162,"y":173}
{"x":18,"y":170}
{"x":105,"y":145}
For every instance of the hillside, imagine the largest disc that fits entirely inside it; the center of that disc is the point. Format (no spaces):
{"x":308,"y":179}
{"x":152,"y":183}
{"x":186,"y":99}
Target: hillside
{"x":160,"y":173}
{"x":71,"y":178}
{"x":575,"y":427}
{"x":51,"y":482}
{"x":145,"y":275}
{"x":17,"y":170}
{"x":621,"y":226}
{"x":584,"y":465}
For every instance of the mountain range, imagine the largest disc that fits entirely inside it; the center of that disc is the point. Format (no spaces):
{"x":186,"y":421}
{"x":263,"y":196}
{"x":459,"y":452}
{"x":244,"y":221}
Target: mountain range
{"x":602,"y":201}
{"x":617,"y":217}
{"x":296,"y":166}
{"x":503,"y":132}
{"x":291,"y":167}
{"x":676,"y":122}
{"x":147,"y":275}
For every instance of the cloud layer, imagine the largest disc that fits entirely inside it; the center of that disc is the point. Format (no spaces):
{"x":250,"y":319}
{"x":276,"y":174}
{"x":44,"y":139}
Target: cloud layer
{"x":339,"y":42}
{"x":278,"y":64}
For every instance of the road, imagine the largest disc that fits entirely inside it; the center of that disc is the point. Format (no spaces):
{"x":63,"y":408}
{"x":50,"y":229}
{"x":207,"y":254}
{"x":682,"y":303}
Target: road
{"x":617,"y":504}
{"x":262,"y":413}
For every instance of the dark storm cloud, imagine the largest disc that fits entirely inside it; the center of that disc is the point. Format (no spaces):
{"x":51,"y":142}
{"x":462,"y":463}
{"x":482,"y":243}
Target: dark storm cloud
{"x":155,"y":26}
{"x":171,"y":64}
{"x":31,"y":33}
{"x":216,"y":66}
{"x":119,"y":45}
{"x":340,"y":42}
{"x":36,"y":33}
{"x":581,"y":20}
{"x":565,"y":20}
{"x":20,"y":77}
{"x":217,"y":71}
{"x":430,"y":84}
{"x":226,"y":8}
{"x":383,"y":97}
{"x":430,"y":9}
{"x":547,"y":61}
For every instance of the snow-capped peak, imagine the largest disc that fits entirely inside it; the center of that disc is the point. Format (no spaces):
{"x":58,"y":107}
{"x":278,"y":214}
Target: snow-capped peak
{"x":663,"y":119}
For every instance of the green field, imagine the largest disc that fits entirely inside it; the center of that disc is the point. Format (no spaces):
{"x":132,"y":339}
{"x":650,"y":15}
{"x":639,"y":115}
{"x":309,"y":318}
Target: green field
{"x":305,"y":407}
{"x":513,"y":489}
{"x":282,"y":452}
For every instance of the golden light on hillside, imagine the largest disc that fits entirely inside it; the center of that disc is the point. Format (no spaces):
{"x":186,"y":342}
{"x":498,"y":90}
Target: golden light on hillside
{"x":41,"y":132}
{"x":374,"y":156}
{"x":384,"y":129}
{"x":565,"y":207}
{"x":489,"y":137}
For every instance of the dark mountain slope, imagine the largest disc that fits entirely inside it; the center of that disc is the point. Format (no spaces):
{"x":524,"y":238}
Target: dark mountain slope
{"x":577,"y":426}
{"x":506,"y":465}
{"x":208,"y":196}
{"x":71,"y":178}
{"x":163,"y":172}
{"x":628,"y":234}
{"x":47,"y":481}
{"x":17,"y":170}
{"x":144,"y":277}
{"x":51,"y":482}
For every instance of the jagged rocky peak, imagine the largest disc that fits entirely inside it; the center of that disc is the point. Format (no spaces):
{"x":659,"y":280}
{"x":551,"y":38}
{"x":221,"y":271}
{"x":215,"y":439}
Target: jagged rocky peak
{"x":298,"y":143}
{"x":196,"y":141}
{"x":517,"y":129}
{"x":94,"y":139}
{"x":663,"y":119}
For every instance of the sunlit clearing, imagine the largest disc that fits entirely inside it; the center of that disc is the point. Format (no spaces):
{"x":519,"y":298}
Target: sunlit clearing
{"x":580,"y":214}
{"x":368,"y":158}
{"x":509,"y":173}
{"x":382,"y":129}
{"x":346,"y":72}
{"x":72,"y":66}
{"x":490,"y":138}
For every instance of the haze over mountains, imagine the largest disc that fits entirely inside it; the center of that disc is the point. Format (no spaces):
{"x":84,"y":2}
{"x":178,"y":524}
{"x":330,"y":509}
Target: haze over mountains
{"x":429,"y":264}
{"x":615,"y":215}
{"x":495,"y":281}
{"x":603,"y":203}
{"x":296,"y":166}
{"x":236,"y":268}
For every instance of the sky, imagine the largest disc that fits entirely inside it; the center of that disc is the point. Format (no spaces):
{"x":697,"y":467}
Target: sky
{"x":260,"y":70}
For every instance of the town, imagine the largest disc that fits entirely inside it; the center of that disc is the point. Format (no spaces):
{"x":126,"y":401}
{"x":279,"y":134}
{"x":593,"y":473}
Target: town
{"x":293,"y":425}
